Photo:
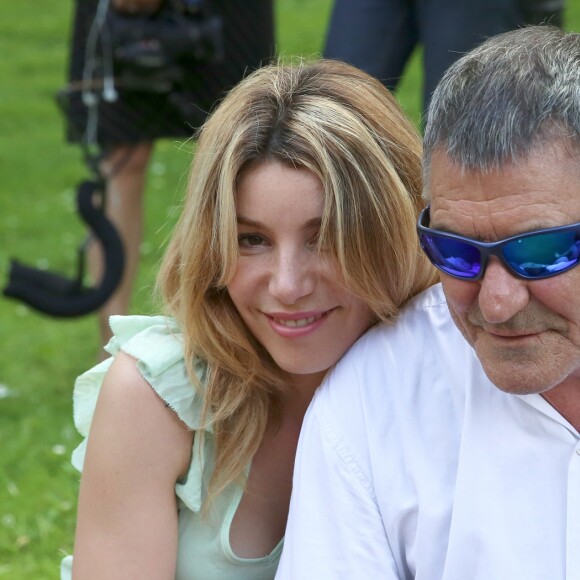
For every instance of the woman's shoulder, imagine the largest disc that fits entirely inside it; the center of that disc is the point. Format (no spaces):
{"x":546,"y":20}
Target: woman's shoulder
{"x":133,"y":428}
{"x":147,"y":358}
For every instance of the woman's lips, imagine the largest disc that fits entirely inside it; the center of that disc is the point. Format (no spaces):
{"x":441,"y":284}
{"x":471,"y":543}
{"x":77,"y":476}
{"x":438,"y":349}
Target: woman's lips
{"x":296,"y":325}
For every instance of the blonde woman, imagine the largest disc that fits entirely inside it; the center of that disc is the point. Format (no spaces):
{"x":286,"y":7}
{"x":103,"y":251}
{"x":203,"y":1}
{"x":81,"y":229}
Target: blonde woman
{"x":297,"y":235}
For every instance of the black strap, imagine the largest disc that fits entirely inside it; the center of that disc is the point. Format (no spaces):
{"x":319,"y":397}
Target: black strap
{"x":56,"y":295}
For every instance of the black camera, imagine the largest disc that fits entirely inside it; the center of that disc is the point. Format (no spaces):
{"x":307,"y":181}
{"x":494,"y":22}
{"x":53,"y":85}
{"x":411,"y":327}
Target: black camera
{"x":154,"y":52}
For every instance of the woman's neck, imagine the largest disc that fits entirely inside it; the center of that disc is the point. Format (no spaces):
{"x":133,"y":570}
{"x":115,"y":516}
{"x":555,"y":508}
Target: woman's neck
{"x":294,"y":403}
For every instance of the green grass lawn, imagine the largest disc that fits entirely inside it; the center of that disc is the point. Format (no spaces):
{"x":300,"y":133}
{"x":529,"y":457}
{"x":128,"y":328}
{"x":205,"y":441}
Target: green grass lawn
{"x":41,"y":356}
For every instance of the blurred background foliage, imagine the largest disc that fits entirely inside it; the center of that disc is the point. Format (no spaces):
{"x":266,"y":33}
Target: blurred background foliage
{"x":41,"y":356}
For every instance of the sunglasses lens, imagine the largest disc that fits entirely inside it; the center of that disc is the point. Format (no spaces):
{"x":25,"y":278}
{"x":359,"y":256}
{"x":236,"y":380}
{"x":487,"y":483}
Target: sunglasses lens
{"x":452,"y":256}
{"x":543,"y":255}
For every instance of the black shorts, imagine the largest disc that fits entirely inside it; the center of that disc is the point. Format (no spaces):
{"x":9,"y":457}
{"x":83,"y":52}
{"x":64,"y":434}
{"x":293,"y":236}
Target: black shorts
{"x":143,"y":115}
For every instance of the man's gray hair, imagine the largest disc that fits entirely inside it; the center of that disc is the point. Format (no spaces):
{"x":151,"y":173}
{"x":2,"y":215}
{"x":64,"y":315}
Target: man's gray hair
{"x":506,"y":97}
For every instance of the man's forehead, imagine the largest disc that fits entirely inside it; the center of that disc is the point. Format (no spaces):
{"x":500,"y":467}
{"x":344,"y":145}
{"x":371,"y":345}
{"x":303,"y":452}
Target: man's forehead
{"x":542,"y":190}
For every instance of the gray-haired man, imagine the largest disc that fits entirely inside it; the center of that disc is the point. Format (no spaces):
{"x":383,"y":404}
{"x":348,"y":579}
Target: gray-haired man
{"x":447,"y":445}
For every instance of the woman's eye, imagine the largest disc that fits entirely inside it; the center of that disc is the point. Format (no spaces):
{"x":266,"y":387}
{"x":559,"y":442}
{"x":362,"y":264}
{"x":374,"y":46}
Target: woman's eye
{"x":250,"y":240}
{"x":315,"y":242}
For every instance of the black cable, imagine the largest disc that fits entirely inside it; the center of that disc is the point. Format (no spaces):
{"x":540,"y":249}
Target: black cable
{"x":56,"y":295}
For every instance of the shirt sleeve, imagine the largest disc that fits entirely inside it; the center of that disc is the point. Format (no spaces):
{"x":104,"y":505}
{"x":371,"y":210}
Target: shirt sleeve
{"x":334,"y":530}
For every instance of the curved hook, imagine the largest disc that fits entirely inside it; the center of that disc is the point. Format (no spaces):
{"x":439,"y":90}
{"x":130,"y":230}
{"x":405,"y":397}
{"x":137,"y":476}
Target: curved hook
{"x":56,"y":295}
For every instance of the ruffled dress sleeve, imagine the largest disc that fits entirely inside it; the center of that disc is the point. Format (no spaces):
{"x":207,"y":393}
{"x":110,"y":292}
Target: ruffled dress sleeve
{"x":156,"y":342}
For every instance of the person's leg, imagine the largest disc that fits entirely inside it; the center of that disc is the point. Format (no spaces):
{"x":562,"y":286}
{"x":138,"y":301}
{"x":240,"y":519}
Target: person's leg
{"x":125,"y":169}
{"x":377,"y":36}
{"x":450,"y":28}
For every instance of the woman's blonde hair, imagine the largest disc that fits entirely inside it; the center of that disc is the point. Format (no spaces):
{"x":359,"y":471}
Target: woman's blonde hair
{"x":347,"y":129}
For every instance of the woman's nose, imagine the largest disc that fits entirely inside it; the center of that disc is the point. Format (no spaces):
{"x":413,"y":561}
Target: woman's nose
{"x":292,"y":275}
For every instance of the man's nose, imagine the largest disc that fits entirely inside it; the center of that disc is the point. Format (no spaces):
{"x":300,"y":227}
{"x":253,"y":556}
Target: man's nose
{"x":501,"y":295}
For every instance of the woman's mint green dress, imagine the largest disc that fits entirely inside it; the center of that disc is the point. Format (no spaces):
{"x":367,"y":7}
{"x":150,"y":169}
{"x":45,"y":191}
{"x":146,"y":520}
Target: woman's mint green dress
{"x":204,"y":551}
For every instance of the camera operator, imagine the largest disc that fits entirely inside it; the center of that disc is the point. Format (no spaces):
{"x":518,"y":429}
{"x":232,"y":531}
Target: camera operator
{"x":135,"y":106}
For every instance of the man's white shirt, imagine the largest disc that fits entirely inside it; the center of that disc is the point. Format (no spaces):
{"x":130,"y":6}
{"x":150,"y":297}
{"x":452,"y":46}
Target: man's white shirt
{"x":411,"y":464}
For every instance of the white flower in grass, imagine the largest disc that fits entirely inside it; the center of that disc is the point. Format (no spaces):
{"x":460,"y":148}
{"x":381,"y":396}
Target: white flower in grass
{"x":158,"y":168}
{"x":12,"y":489}
{"x":6,"y":392}
{"x":59,"y":449}
{"x":22,"y":310}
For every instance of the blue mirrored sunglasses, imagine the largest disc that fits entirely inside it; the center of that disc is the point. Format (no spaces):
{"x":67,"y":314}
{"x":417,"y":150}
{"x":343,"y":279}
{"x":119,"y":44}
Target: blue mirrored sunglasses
{"x":531,"y":256}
